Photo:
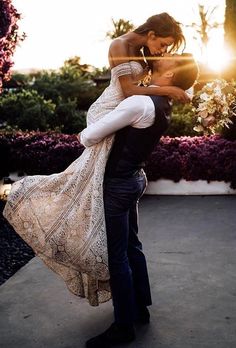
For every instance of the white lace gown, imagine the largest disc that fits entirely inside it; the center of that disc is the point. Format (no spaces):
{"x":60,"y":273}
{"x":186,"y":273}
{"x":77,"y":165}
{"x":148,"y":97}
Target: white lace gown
{"x":61,"y":215}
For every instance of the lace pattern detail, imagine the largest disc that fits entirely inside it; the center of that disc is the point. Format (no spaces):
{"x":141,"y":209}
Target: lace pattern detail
{"x":61,"y":215}
{"x":123,"y":69}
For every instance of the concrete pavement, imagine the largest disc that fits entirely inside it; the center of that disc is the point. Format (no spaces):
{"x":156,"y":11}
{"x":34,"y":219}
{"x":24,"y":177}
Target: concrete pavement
{"x":190,"y":244}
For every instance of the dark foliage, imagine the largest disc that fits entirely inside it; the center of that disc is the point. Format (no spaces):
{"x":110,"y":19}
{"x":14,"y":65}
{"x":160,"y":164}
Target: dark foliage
{"x":9,"y":37}
{"x":194,"y":158}
{"x":38,"y":152}
{"x":14,"y":252}
{"x":191,"y":158}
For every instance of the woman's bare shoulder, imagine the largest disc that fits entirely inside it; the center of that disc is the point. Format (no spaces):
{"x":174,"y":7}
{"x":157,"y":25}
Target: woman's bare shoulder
{"x":118,"y":52}
{"x":119,"y":42}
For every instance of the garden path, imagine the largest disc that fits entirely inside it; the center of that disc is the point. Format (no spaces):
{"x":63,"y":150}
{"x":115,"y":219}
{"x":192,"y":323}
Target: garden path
{"x":190,"y":243}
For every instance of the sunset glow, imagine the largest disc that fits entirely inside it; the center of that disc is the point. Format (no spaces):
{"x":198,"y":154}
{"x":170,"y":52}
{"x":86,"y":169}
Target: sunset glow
{"x":57,"y":31}
{"x":218,"y":60}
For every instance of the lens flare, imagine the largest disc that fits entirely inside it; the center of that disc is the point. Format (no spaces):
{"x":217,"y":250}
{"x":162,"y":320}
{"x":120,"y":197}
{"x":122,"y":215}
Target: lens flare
{"x":217,"y":60}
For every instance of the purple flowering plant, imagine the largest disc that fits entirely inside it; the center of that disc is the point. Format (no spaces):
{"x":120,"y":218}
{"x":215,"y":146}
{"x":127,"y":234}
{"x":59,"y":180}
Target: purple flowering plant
{"x":9,"y":37}
{"x":193,"y":158}
{"x":190,"y":158}
{"x":38,"y":152}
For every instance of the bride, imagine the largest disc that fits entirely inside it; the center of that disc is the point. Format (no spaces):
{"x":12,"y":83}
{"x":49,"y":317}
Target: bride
{"x":61,"y":215}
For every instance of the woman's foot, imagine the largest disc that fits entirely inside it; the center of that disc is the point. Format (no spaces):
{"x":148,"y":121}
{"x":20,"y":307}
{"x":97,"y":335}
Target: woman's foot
{"x":115,"y":334}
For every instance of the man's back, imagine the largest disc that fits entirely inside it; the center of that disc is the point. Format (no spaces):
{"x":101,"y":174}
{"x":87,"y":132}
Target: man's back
{"x":132,"y":145}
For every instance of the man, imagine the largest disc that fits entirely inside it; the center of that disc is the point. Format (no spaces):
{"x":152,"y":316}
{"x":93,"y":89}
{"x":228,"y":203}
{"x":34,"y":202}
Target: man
{"x":139,"y":121}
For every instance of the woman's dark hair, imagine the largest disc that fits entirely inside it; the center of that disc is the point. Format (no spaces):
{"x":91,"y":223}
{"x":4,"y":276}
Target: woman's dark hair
{"x":163,"y":25}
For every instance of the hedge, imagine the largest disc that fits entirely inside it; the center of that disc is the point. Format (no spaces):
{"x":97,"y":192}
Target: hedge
{"x":190,"y":158}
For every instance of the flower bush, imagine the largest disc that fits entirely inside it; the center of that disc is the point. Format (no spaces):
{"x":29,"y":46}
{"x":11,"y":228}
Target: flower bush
{"x":215,"y":106}
{"x":9,"y":37}
{"x":37,"y":152}
{"x":191,"y":158}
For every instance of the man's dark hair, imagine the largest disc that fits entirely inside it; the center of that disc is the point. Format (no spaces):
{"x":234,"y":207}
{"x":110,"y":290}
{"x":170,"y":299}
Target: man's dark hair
{"x":186,"y":72}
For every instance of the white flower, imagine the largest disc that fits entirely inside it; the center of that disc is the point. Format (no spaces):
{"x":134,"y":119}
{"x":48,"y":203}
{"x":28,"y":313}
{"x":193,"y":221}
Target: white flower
{"x":225,"y":110}
{"x":205,"y":96}
{"x":202,"y":107}
{"x":217,"y":91}
{"x":199,"y":119}
{"x":215,"y":106}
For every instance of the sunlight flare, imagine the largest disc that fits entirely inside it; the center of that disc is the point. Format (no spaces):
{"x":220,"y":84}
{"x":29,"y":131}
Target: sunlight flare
{"x":216,"y":59}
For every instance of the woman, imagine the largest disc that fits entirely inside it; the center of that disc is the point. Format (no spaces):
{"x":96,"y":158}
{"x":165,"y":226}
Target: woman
{"x":128,"y":64}
{"x":61,"y":215}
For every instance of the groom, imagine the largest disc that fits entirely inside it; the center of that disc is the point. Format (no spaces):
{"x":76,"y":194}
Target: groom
{"x":139,"y":121}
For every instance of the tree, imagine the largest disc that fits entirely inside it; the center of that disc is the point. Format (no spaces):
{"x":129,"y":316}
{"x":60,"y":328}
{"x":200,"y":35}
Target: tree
{"x":230,"y":36}
{"x":72,"y":81}
{"x":121,"y":27}
{"x":73,"y":66}
{"x":9,"y":37}
{"x":204,"y":28}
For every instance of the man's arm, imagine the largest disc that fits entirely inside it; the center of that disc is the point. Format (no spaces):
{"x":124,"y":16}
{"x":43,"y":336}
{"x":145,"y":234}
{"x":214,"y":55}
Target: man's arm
{"x":130,"y":111}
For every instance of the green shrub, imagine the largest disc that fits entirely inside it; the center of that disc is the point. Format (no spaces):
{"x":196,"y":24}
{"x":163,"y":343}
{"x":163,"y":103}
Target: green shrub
{"x":51,"y":100}
{"x":65,"y":84}
{"x":68,"y":119}
{"x":182,"y":121}
{"x":27,"y":110}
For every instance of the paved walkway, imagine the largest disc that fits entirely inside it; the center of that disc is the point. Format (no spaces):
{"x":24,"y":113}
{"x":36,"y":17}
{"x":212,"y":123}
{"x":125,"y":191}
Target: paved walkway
{"x":190,"y":243}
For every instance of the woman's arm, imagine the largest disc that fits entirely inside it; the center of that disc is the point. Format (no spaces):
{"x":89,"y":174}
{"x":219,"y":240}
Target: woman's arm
{"x":118,"y":54}
{"x":172,"y":92}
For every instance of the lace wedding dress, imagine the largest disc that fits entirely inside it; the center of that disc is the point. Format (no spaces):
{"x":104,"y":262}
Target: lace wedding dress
{"x":61,"y":215}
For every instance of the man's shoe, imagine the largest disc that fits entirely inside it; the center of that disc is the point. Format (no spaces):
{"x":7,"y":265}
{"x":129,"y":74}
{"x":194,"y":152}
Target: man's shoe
{"x":115,"y":334}
{"x":143,"y":315}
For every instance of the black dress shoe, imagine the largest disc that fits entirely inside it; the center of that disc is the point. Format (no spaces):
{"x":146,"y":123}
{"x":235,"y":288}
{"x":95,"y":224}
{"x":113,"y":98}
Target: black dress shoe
{"x":115,"y":334}
{"x":143,"y":315}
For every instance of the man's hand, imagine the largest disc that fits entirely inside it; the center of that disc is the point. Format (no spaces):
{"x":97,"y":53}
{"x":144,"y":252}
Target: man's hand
{"x":78,"y":136}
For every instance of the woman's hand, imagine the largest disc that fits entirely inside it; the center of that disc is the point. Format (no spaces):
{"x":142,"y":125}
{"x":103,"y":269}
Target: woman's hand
{"x":176,"y":93}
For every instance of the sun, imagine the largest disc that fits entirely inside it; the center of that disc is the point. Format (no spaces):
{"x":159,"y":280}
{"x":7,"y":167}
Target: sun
{"x":217,"y":60}
{"x":216,"y":55}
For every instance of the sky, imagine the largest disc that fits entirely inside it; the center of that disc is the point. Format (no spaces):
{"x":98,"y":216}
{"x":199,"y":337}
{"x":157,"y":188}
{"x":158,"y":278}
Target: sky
{"x":57,"y":30}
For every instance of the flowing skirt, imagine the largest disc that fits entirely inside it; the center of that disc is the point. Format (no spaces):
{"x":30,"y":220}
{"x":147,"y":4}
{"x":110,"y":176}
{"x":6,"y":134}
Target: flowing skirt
{"x":61,"y":217}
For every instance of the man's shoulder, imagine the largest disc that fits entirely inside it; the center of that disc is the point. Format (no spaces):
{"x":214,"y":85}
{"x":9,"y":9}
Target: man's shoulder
{"x":160,"y":100}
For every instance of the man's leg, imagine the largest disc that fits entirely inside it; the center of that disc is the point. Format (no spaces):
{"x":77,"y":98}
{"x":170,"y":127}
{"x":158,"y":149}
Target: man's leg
{"x":137,"y":262}
{"x":124,"y":248}
{"x":117,"y":202}
{"x":119,"y":196}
